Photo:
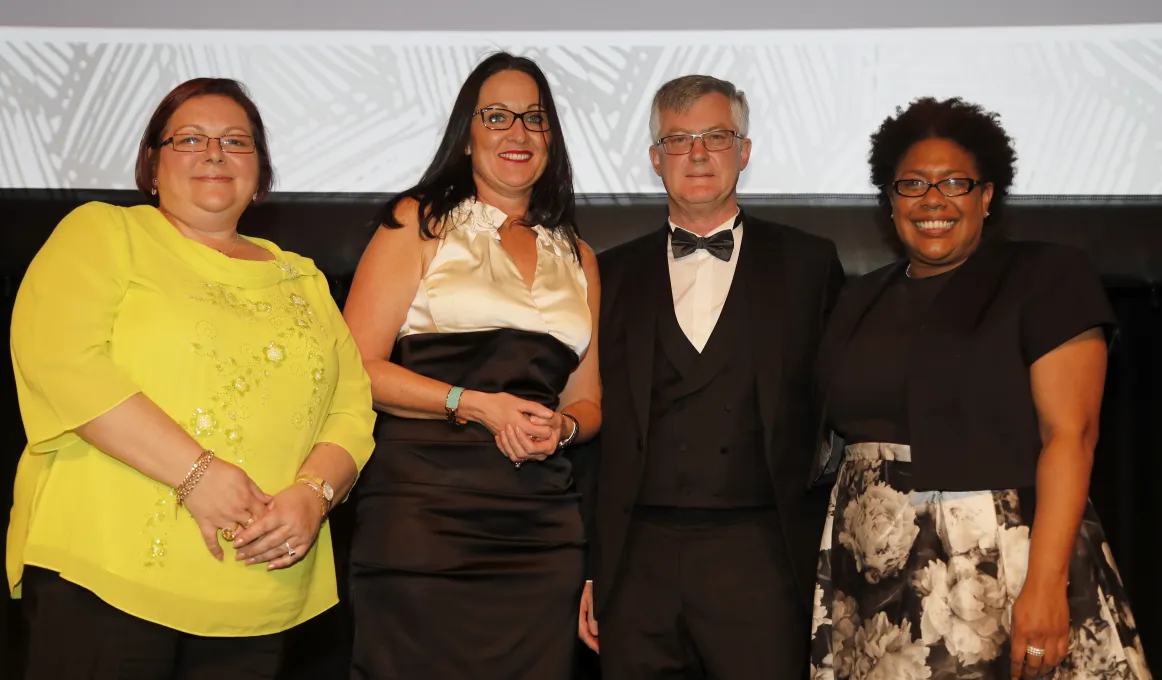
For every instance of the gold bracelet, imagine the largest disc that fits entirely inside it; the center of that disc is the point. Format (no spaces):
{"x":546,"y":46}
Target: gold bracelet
{"x":309,"y":482}
{"x":193,"y":476}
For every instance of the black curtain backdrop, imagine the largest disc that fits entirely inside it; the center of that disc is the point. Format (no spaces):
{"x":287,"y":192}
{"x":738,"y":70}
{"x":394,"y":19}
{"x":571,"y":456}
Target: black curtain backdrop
{"x":1122,"y":236}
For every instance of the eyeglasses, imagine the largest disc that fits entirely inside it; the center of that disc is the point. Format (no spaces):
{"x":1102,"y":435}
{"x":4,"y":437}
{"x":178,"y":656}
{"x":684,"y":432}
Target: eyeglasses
{"x":713,"y":140}
{"x":951,"y":187}
{"x":495,"y":118}
{"x":191,"y":143}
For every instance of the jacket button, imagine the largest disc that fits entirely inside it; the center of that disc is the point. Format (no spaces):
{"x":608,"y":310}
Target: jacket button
{"x":723,"y":450}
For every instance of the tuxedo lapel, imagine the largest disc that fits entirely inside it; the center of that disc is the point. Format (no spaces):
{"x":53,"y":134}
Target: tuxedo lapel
{"x":763,"y":271}
{"x":651,"y":288}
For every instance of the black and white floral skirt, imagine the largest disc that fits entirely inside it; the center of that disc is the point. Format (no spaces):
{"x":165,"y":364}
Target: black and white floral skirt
{"x":918,"y":585}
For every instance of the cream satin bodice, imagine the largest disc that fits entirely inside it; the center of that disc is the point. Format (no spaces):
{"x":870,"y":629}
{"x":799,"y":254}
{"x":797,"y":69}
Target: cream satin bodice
{"x":472,"y":284}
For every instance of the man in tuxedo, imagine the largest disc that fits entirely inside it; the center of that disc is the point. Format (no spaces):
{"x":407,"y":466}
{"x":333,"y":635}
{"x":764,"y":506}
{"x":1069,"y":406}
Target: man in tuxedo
{"x":705,"y":537}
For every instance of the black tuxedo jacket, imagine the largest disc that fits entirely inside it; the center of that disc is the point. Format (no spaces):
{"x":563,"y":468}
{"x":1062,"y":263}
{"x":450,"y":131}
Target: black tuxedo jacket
{"x":792,"y":279}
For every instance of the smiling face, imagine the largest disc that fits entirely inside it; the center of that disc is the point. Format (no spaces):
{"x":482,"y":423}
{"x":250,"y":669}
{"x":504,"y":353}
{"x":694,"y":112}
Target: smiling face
{"x":939,"y":232}
{"x":193,"y":185}
{"x":701,"y":178}
{"x":508,"y":162}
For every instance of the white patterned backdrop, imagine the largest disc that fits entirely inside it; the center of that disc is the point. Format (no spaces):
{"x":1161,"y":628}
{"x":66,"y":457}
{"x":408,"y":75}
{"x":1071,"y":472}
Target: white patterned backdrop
{"x":362,"y":111}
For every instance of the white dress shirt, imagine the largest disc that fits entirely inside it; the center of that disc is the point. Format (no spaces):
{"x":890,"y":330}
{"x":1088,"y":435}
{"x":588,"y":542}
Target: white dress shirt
{"x":700,"y":283}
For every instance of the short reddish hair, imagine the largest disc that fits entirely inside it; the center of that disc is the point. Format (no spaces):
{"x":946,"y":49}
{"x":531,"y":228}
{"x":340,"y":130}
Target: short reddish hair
{"x":146,"y":169}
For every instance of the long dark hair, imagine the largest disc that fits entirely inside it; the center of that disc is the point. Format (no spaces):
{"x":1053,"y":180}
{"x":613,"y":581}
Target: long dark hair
{"x":449,"y":180}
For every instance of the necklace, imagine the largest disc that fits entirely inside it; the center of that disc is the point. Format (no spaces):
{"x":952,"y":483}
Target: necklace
{"x":237,"y":240}
{"x":908,"y":271}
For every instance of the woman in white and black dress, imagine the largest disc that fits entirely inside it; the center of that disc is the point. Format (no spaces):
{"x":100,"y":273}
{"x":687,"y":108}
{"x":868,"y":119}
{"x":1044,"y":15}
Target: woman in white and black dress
{"x":475,"y":308}
{"x":967,"y":383}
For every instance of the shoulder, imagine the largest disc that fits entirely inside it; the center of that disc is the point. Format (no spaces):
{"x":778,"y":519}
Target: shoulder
{"x":588,"y":257}
{"x":1044,"y":256}
{"x":1029,"y":265}
{"x":793,"y":239}
{"x":589,"y":265}
{"x":99,"y":217}
{"x":95,"y":227}
{"x":406,"y":213}
{"x":628,"y":251}
{"x":858,"y":287}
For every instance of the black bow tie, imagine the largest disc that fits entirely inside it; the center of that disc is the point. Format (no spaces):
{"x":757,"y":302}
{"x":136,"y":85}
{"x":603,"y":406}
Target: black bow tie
{"x":720,"y":245}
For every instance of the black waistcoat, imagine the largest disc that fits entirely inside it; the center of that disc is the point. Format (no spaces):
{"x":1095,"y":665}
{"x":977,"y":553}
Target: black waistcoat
{"x":706,"y":435}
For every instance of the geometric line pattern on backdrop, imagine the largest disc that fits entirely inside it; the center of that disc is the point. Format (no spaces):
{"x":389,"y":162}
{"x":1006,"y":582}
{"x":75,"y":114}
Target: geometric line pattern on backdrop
{"x":363,"y":111}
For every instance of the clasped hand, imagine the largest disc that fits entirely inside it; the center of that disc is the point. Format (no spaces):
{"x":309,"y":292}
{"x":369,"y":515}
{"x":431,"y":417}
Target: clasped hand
{"x":276,"y":529}
{"x":524,"y":430}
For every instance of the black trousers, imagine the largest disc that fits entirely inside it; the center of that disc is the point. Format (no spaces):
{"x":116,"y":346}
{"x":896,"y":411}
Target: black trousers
{"x":73,"y":634}
{"x":705,"y":596}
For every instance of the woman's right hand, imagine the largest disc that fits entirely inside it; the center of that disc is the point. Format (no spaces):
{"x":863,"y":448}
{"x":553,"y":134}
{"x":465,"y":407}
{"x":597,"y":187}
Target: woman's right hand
{"x":501,"y":412}
{"x":225,"y":498}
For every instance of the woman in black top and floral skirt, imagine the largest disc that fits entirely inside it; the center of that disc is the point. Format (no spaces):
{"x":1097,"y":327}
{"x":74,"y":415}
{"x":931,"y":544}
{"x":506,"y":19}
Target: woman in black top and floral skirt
{"x":966,"y":381}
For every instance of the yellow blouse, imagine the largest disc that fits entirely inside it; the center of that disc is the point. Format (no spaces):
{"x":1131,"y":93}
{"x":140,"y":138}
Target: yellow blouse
{"x":253,"y":359}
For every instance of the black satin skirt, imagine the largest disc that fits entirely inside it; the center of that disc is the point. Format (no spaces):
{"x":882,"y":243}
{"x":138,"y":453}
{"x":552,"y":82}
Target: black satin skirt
{"x":462,"y":565}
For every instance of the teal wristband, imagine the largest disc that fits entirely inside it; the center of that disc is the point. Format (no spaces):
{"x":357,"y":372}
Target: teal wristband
{"x":451,"y":403}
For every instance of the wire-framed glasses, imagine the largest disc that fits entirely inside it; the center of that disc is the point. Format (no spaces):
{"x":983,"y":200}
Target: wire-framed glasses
{"x":713,"y":140}
{"x":194,"y":143}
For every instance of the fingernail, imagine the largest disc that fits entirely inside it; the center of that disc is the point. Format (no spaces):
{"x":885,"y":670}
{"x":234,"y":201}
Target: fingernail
{"x":238,"y":543}
{"x":240,"y":556}
{"x":250,"y":561}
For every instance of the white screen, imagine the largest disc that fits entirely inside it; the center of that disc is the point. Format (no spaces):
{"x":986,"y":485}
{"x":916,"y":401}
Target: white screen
{"x":362,"y":111}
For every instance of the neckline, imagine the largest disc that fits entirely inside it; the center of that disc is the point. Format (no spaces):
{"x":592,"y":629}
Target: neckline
{"x":927,"y":280}
{"x":214,"y":265}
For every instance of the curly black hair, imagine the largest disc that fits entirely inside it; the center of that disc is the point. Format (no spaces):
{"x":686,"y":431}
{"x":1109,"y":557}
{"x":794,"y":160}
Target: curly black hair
{"x":978,"y":131}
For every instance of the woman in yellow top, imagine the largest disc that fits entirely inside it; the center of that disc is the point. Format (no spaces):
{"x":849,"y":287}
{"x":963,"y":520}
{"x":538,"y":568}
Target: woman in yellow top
{"x":193,"y":404}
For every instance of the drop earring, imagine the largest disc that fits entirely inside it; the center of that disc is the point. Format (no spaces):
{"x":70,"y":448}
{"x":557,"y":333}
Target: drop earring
{"x":153,"y":191}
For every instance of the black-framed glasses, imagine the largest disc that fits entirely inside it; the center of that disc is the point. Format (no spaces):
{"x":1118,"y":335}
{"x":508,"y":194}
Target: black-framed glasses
{"x":950,"y":187}
{"x":194,"y":143}
{"x":713,"y":140}
{"x":496,"y":118}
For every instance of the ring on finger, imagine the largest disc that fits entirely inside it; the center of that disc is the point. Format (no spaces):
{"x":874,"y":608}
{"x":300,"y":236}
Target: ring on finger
{"x":289,"y":550}
{"x":1034,"y":651}
{"x":228,"y":533}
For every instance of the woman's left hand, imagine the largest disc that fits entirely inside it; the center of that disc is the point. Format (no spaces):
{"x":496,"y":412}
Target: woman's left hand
{"x":286,"y":533}
{"x":521,"y":447}
{"x":1040,"y":621}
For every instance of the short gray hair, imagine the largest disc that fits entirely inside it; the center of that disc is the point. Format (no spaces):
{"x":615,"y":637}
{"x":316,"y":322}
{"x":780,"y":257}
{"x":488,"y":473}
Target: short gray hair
{"x":680,"y":94}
